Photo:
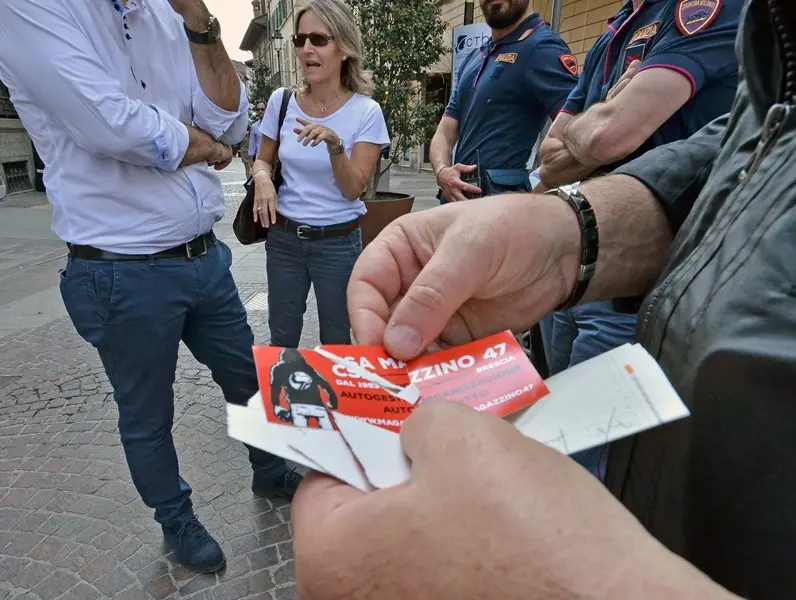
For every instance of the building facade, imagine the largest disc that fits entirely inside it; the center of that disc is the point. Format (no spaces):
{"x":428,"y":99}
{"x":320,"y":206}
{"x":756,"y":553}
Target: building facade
{"x":17,"y":165}
{"x":268,"y":39}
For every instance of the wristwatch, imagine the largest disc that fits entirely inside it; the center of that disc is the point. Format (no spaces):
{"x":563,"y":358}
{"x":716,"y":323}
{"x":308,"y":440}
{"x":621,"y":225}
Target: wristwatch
{"x":338,"y":149}
{"x":589,"y":239}
{"x":209,"y":36}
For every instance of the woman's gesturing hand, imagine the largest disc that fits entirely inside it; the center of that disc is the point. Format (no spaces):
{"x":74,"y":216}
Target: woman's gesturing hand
{"x":316,"y":133}
{"x":264,"y":198}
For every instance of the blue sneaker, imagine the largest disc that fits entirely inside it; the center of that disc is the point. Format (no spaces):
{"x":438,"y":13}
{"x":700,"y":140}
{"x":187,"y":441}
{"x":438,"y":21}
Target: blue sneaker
{"x":280,"y":484}
{"x":194,"y":547}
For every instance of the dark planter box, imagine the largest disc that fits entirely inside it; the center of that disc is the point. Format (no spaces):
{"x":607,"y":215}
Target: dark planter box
{"x":383,"y":210}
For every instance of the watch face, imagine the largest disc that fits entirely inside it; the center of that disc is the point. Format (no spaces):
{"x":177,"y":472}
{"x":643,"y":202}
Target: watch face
{"x":214,"y":28}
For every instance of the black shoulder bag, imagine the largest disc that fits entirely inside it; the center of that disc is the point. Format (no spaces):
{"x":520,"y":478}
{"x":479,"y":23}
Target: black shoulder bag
{"x":246,"y":230}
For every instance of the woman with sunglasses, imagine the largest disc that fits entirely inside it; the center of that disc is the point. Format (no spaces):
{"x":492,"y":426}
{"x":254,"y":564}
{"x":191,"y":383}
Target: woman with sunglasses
{"x":329,"y":146}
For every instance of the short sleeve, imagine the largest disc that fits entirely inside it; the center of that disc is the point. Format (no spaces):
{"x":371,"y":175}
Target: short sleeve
{"x":576,"y":101}
{"x":373,"y":129}
{"x":270,"y":125}
{"x":701,"y":56}
{"x":452,"y":110}
{"x":551,"y":73}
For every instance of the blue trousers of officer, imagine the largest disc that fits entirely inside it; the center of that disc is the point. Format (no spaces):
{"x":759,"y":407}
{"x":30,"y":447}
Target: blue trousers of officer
{"x":577,"y":334}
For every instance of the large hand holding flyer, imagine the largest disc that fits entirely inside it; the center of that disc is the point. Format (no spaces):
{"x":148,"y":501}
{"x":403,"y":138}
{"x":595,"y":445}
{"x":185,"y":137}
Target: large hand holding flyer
{"x":339,"y":409}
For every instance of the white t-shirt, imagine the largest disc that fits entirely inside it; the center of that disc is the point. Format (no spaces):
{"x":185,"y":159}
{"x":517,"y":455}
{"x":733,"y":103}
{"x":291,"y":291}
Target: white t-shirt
{"x":309,"y":192}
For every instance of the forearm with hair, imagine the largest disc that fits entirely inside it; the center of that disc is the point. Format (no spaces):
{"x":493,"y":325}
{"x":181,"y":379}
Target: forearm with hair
{"x":201,"y":148}
{"x":351,"y":181}
{"x":441,"y":150}
{"x":214,"y":68}
{"x":440,"y":153}
{"x":634,"y":241}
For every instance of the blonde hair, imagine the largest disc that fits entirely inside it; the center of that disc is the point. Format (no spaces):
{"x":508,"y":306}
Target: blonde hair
{"x":340,"y":21}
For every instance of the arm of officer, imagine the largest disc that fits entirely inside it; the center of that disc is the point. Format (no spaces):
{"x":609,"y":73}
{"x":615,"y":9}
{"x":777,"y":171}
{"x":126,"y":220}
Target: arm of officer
{"x":445,"y":138}
{"x":219,"y":102}
{"x":677,"y":69}
{"x":609,"y":131}
{"x":558,"y":166}
{"x":61,"y":72}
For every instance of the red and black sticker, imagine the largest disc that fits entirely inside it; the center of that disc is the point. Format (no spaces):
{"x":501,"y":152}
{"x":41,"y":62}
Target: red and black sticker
{"x":569,"y":62}
{"x":635,"y":51}
{"x":693,"y":16}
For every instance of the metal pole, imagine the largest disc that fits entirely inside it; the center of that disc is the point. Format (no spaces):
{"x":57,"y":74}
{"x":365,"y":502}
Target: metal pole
{"x":469,"y":7}
{"x":557,"y":15}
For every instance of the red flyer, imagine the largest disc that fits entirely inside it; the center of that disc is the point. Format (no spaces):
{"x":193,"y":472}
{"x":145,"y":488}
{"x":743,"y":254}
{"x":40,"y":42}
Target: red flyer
{"x":492,"y":374}
{"x":300,"y":387}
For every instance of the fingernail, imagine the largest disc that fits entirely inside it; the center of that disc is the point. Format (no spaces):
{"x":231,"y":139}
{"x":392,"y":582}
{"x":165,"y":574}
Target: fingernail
{"x":403,"y":340}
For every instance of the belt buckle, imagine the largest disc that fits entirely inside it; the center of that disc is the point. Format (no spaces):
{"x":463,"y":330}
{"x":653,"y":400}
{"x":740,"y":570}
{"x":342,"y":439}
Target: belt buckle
{"x":302,"y":232}
{"x":191,"y":254}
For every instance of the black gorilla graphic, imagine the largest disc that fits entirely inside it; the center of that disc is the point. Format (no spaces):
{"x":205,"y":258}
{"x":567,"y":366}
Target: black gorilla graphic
{"x":303,"y":389}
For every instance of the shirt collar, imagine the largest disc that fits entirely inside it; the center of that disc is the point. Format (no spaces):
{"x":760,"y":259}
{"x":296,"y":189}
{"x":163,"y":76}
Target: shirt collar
{"x":132,"y":5}
{"x":628,"y":10}
{"x":531,"y":22}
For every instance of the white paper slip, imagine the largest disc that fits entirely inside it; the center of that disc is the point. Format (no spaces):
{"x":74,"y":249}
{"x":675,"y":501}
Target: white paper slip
{"x":248,"y":424}
{"x":378,"y":451}
{"x":330,"y":451}
{"x":609,"y":397}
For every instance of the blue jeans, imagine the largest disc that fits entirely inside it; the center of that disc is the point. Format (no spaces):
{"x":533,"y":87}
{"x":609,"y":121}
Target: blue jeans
{"x":577,"y":334}
{"x":135,"y":313}
{"x":292,"y":264}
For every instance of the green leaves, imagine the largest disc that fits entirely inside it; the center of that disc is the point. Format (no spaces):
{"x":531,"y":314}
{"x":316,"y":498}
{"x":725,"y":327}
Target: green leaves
{"x":260,"y":87}
{"x":402,"y":41}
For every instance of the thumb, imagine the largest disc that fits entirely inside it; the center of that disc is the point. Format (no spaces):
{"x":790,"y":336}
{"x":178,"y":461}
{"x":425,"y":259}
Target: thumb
{"x":438,"y":434}
{"x":466,"y":168}
{"x":427,"y":430}
{"x":448,"y":280}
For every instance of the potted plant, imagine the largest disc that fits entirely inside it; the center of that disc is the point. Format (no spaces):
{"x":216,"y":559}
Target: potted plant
{"x":402,"y":41}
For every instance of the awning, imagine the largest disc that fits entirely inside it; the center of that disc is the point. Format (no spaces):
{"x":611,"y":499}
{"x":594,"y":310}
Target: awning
{"x":257,"y":28}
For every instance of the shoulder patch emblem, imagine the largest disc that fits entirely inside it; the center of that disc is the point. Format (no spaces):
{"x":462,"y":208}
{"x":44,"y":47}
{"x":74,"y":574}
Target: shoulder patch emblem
{"x":508,"y":57}
{"x":693,"y":16}
{"x":645,"y":33}
{"x":569,"y":62}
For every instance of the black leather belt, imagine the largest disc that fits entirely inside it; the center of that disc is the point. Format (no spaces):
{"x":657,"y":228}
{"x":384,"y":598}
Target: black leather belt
{"x":195,"y":248}
{"x":312,"y":233}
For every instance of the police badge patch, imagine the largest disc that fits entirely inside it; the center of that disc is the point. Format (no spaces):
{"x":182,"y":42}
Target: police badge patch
{"x":693,"y":16}
{"x":569,"y":62}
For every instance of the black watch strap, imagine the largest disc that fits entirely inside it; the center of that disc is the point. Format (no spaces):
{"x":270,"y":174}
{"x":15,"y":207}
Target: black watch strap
{"x":210,"y":36}
{"x":589,"y":240}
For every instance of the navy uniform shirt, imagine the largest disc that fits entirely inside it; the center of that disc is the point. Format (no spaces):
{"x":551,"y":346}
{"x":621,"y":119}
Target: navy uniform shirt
{"x":505,"y":92}
{"x":693,"y":37}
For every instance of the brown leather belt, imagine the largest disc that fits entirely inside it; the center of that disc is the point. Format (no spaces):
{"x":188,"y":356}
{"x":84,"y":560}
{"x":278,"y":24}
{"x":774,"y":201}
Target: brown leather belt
{"x":195,"y":248}
{"x":313,"y":233}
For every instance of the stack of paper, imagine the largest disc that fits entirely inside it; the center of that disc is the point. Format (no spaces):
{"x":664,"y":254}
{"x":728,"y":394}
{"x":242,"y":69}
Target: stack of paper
{"x":338,"y":409}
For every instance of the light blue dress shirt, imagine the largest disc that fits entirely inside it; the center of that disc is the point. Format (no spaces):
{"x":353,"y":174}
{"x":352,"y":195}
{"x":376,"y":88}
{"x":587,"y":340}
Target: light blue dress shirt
{"x":255,"y":140}
{"x":105,"y":92}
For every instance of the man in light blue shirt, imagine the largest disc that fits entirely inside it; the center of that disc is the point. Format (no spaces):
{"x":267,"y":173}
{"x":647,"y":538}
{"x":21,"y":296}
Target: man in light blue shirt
{"x":129,"y":102}
{"x":256,"y":138}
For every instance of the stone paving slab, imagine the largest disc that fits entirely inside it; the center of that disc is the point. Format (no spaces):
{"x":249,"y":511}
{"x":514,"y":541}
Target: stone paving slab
{"x":71,"y":523}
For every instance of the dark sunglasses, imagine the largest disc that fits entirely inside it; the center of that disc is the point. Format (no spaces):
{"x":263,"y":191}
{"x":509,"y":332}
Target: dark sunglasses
{"x":316,"y":39}
{"x":260,"y":109}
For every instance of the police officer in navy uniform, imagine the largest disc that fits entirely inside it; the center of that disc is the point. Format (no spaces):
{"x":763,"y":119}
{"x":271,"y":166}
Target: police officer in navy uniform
{"x":504,"y":95}
{"x":664,"y":70}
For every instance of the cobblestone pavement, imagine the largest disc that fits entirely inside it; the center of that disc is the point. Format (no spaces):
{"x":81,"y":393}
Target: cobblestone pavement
{"x":71,"y":523}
